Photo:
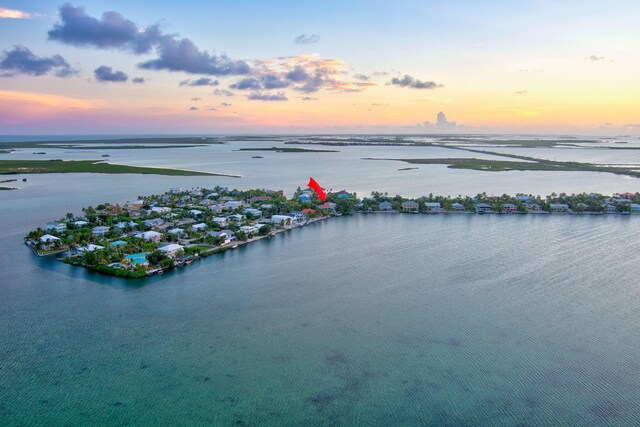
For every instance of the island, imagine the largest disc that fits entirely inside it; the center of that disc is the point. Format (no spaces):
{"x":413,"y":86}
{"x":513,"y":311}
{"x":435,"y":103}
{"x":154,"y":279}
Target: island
{"x":91,"y":166}
{"x":159,"y":232}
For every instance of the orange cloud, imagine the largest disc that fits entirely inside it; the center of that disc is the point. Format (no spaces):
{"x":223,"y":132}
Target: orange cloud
{"x":47,"y":100}
{"x":14,"y":14}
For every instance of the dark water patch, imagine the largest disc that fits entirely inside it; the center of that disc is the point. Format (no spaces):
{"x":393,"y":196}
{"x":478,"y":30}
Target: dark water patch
{"x":202,"y":379}
{"x":144,"y":365}
{"x":321,"y":400}
{"x":606,"y":409}
{"x":118,"y":404}
{"x":336,"y":358}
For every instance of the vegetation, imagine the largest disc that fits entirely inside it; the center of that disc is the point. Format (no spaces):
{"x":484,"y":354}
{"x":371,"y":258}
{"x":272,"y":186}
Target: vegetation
{"x":88,"y":166}
{"x":116,"y":143}
{"x":287,"y":150}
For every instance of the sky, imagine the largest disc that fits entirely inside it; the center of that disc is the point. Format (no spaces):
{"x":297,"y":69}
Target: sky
{"x":235,"y":66}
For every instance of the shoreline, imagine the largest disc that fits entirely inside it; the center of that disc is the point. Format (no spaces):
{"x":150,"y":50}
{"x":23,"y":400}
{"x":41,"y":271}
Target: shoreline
{"x":171,"y":230}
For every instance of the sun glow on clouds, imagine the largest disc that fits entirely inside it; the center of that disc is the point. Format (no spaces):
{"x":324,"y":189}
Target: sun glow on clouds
{"x":14,"y":14}
{"x":47,"y":100}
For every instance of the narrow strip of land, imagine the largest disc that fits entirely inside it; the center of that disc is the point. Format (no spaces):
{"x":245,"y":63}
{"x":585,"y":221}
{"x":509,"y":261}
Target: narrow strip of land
{"x":91,"y":166}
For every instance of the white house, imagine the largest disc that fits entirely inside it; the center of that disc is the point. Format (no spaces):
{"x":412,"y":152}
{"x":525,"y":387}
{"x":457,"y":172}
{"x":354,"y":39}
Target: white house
{"x":154,"y":236}
{"x":48,"y":238}
{"x":281,"y":219}
{"x":57,"y":226}
{"x":199,"y":227}
{"x":559,"y":207}
{"x":171,"y":249}
{"x":123,"y":224}
{"x":80,"y":223}
{"x":635,"y":208}
{"x":89,"y":248}
{"x":235,"y":217}
{"x":225,"y":237}
{"x":233,"y":204}
{"x":195,"y":212}
{"x":249,"y":229}
{"x":160,"y":210}
{"x":100,"y":230}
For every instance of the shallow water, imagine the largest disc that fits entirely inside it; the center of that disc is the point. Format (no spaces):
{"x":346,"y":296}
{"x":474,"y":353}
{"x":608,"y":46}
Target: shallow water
{"x":363,"y":320}
{"x":370,"y":320}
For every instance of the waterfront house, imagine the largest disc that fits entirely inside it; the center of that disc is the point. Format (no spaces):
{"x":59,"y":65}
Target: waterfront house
{"x":327,"y":205}
{"x":627,"y":196}
{"x":609,"y":208}
{"x":249,"y":229}
{"x":57,"y":226}
{"x":222,"y":222}
{"x":100,"y":230}
{"x":154,"y":236}
{"x":135,"y":260}
{"x":559,"y":207}
{"x":201,"y":226}
{"x":195,"y":212}
{"x":171,"y":250}
{"x":509,"y":208}
{"x":80,"y":223}
{"x":223,"y":235}
{"x":307,"y":212}
{"x":48,"y":238}
{"x":482,"y":208}
{"x":409,"y":206}
{"x":297,"y":215}
{"x":635,"y":208}
{"x":457,"y":207}
{"x":385,"y":206}
{"x":153,"y":222}
{"x":534,"y":208}
{"x":433,"y":207}
{"x":89,"y":248}
{"x":230,"y":235}
{"x":281,"y":219}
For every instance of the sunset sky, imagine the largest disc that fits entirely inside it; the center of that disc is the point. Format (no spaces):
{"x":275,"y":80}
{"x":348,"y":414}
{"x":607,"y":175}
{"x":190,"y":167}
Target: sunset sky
{"x":125,"y":67}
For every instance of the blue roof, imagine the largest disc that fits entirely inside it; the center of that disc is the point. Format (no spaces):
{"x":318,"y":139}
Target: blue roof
{"x":305,"y":197}
{"x":136,"y":256}
{"x":118,"y":243}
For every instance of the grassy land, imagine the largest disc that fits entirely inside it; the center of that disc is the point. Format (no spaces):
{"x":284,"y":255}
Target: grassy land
{"x":168,"y":142}
{"x":88,"y":166}
{"x":532,"y":165}
{"x":526,"y":143}
{"x":7,"y":188}
{"x":288,"y":150}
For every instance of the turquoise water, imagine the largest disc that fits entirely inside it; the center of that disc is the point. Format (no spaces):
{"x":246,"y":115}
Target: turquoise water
{"x":366,"y":320}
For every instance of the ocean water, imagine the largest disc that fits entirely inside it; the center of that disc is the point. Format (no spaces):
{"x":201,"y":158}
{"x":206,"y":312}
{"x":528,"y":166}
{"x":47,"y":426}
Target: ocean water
{"x":377,"y":319}
{"x":365,"y":320}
